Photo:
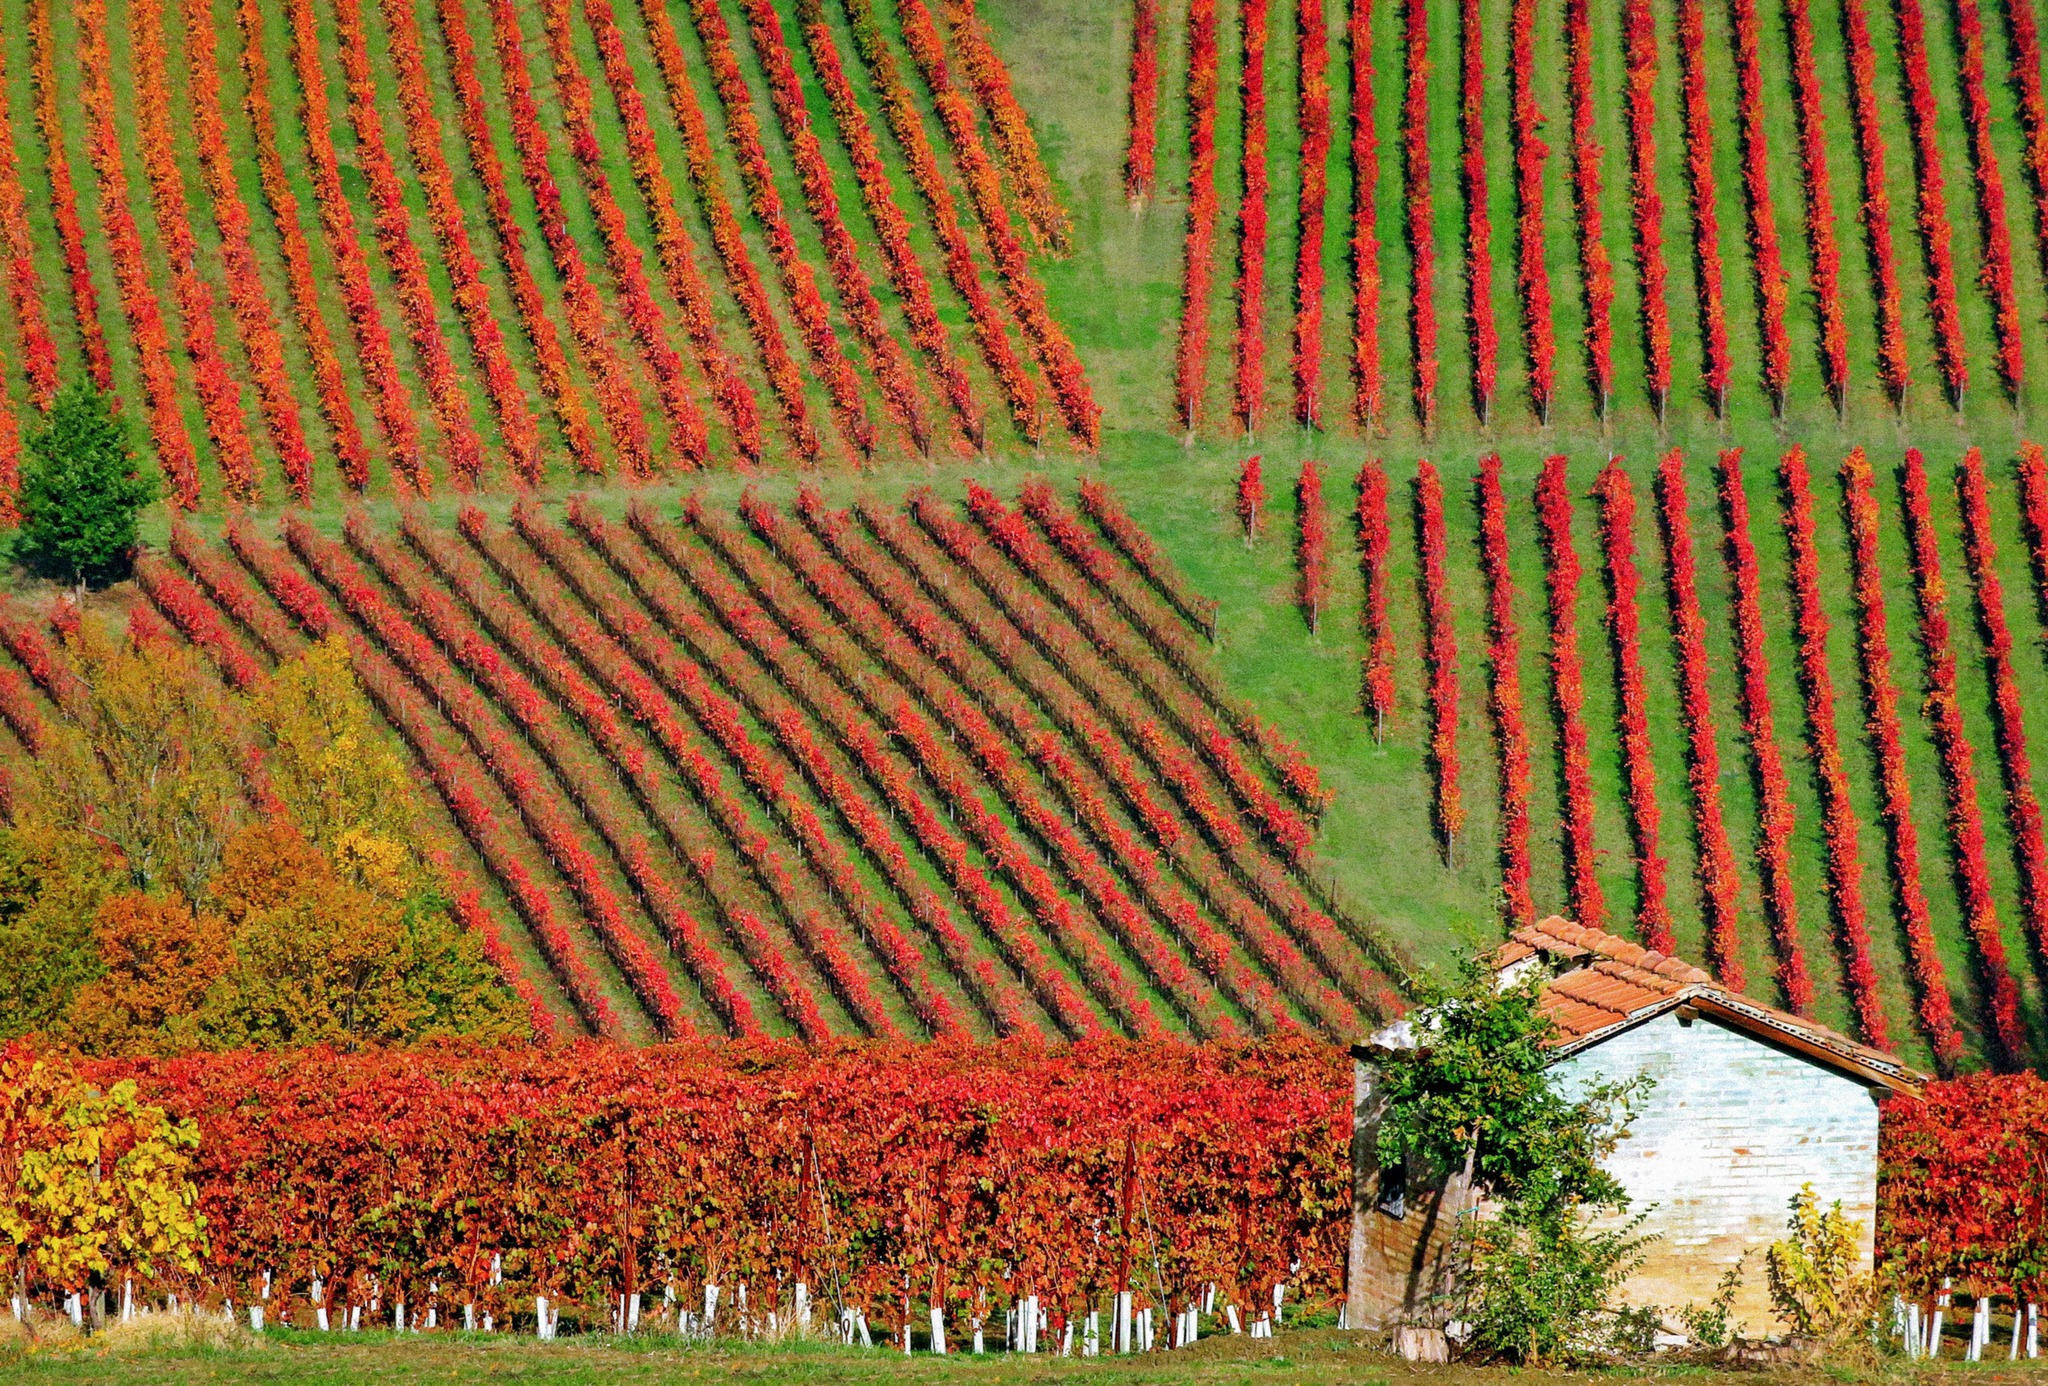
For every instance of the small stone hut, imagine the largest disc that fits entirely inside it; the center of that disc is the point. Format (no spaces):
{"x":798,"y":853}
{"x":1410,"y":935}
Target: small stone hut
{"x":1749,"y":1103}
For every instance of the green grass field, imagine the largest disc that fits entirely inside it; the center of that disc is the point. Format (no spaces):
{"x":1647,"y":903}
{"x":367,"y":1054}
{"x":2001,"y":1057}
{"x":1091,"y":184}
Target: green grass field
{"x":1307,"y":1359}
{"x":1118,"y":296}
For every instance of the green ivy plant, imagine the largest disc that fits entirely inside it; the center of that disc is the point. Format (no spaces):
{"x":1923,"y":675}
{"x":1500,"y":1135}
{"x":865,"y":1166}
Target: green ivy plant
{"x":1479,"y":1093}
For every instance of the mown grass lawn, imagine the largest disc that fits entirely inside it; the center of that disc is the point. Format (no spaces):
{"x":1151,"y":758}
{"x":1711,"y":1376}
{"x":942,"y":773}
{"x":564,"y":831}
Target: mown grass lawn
{"x":1305,"y":1359}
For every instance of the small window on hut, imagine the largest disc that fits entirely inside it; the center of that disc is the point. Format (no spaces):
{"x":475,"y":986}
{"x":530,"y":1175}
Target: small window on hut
{"x":1393,"y":1200}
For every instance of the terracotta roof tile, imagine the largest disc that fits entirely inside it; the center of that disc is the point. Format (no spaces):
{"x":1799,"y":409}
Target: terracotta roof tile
{"x":1575,"y":1019}
{"x":1612,"y":979}
{"x":1596,"y":989}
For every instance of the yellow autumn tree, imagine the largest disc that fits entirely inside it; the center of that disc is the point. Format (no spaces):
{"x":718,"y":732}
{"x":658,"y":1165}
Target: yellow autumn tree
{"x":152,"y":766}
{"x":52,"y":885}
{"x":317,"y":958}
{"x":160,"y":960}
{"x":301,"y":913}
{"x":338,"y":772}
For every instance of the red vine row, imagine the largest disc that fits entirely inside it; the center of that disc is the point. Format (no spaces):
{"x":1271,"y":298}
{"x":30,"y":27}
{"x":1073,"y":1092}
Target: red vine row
{"x":1720,"y":887}
{"x":1959,"y":778}
{"x":1617,"y":495}
{"x":1504,"y":695}
{"x":1895,"y":784}
{"x":1839,"y":826}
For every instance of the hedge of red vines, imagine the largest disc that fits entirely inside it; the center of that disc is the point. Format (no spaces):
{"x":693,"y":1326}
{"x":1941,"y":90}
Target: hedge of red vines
{"x":85,"y":298}
{"x":131,"y":270}
{"x":1839,"y":825}
{"x":1439,"y":656}
{"x":1484,"y":335}
{"x":1923,"y":123}
{"x":1596,"y":269}
{"x":1703,"y":199}
{"x":1766,"y":257}
{"x":1720,"y":887}
{"x":1141,"y":145}
{"x":799,"y":283}
{"x":1198,"y":246}
{"x":615,"y":399}
{"x":1374,"y":540}
{"x":1532,"y":268}
{"x":1312,"y":47}
{"x":453,"y":777}
{"x":520,"y":1162}
{"x":1759,"y":728}
{"x":701,"y":160}
{"x":1367,"y":382}
{"x":2023,"y":31}
{"x":1822,"y":250}
{"x":389,"y":397}
{"x":344,"y":433}
{"x":1895,"y":785}
{"x":1311,"y":546}
{"x":892,"y":228}
{"x":2008,"y":716}
{"x":1248,"y":346}
{"x":1996,"y":248}
{"x":392,"y":222}
{"x":1646,"y":203}
{"x":1420,"y":217}
{"x":1568,"y":690}
{"x":1049,"y":343}
{"x":633,"y":291}
{"x":1875,"y":211}
{"x":24,"y":281}
{"x":906,"y":123}
{"x":1624,"y":625}
{"x":1959,"y":778}
{"x":1050,"y":225}
{"x":248,"y":298}
{"x":1504,"y":695}
{"x":516,"y":426}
